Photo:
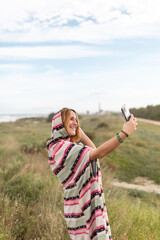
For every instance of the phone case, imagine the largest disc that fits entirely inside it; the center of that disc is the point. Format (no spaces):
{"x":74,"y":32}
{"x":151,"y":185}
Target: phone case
{"x":126,"y":112}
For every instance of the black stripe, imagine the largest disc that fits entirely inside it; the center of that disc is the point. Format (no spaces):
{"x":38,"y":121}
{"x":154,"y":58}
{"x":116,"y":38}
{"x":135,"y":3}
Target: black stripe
{"x":54,"y":140}
{"x":57,"y":128}
{"x":97,"y":193}
{"x":84,"y":184}
{"x":80,"y":227}
{"x":74,"y":216}
{"x":71,"y":198}
{"x":96,"y":208}
{"x":66,"y":155}
{"x":98,"y":231}
{"x":58,"y":170}
{"x":79,"y":176}
{"x":67,"y":178}
{"x":87,"y":206}
{"x":78,"y":157}
{"x":69,"y":187}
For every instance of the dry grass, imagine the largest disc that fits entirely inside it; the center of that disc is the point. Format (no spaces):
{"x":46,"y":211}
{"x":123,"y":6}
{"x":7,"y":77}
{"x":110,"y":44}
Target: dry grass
{"x":31,"y":197}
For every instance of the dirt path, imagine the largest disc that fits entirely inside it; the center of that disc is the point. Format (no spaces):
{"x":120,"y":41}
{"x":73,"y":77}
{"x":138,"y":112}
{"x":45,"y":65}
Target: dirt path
{"x":148,"y":121}
{"x":142,"y":184}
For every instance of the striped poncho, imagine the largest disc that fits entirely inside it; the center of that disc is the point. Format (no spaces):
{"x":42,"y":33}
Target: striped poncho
{"x":84,"y":204}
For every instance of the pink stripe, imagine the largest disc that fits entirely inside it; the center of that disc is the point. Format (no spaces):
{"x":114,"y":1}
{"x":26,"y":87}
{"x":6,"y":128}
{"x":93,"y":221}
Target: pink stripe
{"x":91,"y":193}
{"x":56,"y":148}
{"x":96,"y":191}
{"x":72,"y":201}
{"x":96,"y":214}
{"x":84,"y":189}
{"x":78,"y":231}
{"x":85,"y":192}
{"x":91,"y":223}
{"x":82,"y":170}
{"x":59,"y":125}
{"x":71,"y":184}
{"x":86,"y":204}
{"x":97,"y":229}
{"x":73,"y":214}
{"x":56,"y":142}
{"x":51,"y":162}
{"x":71,"y":204}
{"x":56,"y":116}
{"x":56,"y":169}
{"x":70,"y":178}
{"x":81,"y":158}
{"x":65,"y":153}
{"x":50,"y":146}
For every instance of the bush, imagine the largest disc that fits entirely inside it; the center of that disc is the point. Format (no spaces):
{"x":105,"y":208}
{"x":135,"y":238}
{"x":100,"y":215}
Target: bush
{"x":102,"y":125}
{"x":50,"y":116}
{"x":33,"y":148}
{"x":150,"y":112}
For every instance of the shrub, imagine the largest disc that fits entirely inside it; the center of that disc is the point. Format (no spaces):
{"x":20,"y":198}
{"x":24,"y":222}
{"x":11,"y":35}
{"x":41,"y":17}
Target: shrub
{"x":50,"y":116}
{"x":102,"y":125}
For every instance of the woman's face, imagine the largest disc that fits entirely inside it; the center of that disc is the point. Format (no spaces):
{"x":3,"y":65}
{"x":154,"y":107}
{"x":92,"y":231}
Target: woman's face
{"x":72,"y":125}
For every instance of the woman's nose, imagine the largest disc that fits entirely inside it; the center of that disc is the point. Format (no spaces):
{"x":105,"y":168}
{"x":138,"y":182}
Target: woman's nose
{"x":75,"y":122}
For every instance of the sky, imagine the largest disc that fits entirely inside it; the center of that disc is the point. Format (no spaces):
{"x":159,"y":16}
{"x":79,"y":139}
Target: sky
{"x":78,"y":54}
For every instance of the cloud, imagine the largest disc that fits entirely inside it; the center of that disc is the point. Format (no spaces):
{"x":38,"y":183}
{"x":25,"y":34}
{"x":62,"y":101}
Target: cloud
{"x":52,"y":52}
{"x":15,"y":67}
{"x":36,"y":33}
{"x":51,"y":89}
{"x":85,"y":21}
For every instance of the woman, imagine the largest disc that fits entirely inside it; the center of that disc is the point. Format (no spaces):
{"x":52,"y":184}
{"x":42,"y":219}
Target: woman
{"x":70,"y":160}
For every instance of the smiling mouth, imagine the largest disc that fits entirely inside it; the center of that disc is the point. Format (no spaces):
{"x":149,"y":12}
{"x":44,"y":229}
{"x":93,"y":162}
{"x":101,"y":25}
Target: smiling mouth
{"x":73,"y":128}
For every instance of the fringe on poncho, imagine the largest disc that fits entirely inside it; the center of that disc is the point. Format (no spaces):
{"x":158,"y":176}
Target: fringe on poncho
{"x":84,"y":204}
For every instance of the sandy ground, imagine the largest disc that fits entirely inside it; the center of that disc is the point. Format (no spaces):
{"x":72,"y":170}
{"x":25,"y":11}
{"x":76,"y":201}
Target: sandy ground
{"x":148,"y":121}
{"x":141,"y":183}
{"x":147,"y":186}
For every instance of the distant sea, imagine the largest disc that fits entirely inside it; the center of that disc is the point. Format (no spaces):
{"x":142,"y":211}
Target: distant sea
{"x":14,"y":117}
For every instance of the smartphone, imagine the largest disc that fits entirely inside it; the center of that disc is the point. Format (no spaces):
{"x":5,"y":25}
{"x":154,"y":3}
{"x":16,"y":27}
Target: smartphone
{"x":126,"y":112}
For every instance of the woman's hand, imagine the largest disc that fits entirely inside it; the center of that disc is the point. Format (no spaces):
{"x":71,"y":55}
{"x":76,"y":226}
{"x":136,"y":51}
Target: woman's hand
{"x":86,"y":140}
{"x":130,"y":126}
{"x":108,"y":146}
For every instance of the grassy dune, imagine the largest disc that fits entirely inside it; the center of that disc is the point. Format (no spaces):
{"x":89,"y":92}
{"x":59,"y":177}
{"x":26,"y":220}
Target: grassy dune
{"x":31,"y":197}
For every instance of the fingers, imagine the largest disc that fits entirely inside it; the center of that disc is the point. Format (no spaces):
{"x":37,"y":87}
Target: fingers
{"x":134,"y":119}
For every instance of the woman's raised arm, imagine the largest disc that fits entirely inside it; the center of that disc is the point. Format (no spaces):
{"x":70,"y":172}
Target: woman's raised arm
{"x":86,"y":140}
{"x":108,"y":146}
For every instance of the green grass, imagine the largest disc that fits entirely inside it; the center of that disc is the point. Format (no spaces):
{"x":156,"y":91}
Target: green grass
{"x":139,"y":155}
{"x":31,"y":197}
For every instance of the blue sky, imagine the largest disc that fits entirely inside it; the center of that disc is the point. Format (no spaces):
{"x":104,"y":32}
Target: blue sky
{"x":78,"y":54}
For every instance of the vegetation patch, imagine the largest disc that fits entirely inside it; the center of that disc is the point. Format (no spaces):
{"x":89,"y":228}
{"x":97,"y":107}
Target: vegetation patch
{"x":31,"y":197}
{"x":102,"y":125}
{"x":25,"y":189}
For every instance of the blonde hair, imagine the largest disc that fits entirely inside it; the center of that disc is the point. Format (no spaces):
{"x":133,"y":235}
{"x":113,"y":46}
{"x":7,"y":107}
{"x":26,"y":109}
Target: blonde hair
{"x":65,"y":114}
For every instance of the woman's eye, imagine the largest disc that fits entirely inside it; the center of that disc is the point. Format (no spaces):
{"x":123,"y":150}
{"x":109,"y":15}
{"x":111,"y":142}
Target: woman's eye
{"x":72,"y":119}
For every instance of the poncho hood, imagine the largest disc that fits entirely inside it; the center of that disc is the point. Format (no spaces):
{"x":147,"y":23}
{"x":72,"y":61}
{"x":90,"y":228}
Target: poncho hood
{"x":58,"y":130}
